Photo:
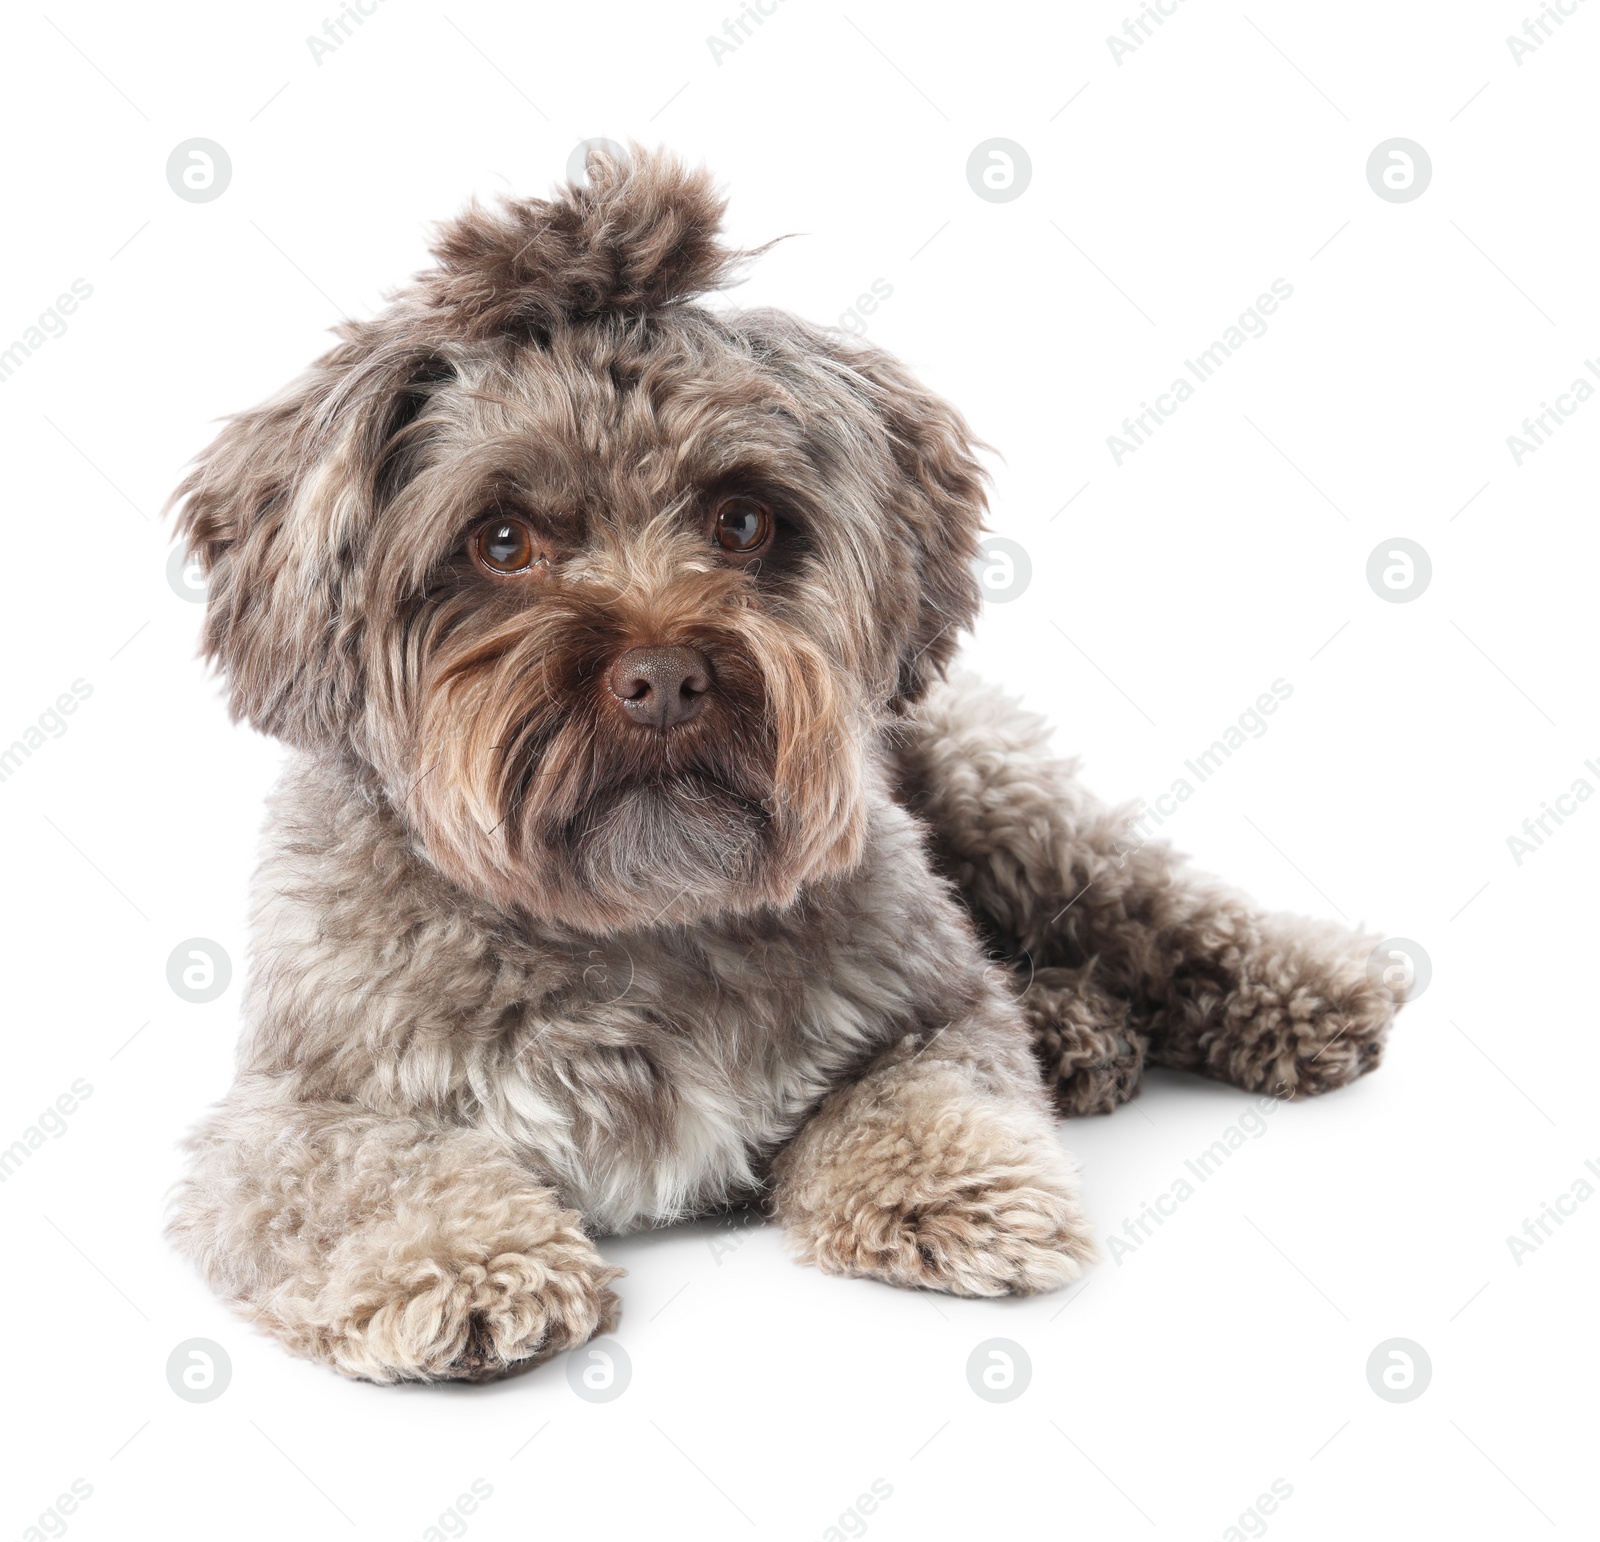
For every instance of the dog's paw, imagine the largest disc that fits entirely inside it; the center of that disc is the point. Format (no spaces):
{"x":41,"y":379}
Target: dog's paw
{"x":980,"y":1201}
{"x":394,"y":1308}
{"x":1313,"y":1012}
{"x":1093,"y":1058}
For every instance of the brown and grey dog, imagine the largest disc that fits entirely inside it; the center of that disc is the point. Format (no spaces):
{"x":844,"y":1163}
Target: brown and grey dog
{"x":636,"y":859}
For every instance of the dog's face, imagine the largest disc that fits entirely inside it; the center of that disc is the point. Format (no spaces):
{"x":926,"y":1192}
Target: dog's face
{"x":613,"y":594}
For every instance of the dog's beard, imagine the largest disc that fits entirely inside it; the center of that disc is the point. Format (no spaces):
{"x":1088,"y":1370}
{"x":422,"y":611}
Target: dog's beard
{"x":685,"y":835}
{"x":528,"y":786}
{"x":618,"y":810}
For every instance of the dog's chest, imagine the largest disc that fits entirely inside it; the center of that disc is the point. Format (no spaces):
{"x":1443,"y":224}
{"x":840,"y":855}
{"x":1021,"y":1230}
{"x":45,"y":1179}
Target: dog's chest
{"x":666,"y":1073}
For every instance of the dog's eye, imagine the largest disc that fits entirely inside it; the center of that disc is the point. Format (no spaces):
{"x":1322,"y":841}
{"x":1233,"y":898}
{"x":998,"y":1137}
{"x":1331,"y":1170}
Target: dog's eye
{"x":744,"y":525}
{"x":505,"y":545}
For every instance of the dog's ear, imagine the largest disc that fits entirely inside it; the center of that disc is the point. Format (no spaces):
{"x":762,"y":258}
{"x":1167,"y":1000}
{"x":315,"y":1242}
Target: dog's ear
{"x":274,"y":511}
{"x":938,"y":502}
{"x":641,"y":234}
{"x":908,"y":454}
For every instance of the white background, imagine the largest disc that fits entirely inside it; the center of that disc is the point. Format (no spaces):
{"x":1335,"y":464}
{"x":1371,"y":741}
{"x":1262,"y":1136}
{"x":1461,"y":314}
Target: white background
{"x":1167,"y":192}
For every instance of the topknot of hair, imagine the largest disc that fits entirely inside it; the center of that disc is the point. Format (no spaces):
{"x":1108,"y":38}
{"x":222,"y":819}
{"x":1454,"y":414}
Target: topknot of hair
{"x":641,"y":233}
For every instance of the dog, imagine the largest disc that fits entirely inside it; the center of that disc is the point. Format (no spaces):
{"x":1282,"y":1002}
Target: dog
{"x":639,"y":855}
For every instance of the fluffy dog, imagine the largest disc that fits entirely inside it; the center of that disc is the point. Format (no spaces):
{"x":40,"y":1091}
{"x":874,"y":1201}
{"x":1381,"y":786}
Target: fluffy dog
{"x":636,"y":859}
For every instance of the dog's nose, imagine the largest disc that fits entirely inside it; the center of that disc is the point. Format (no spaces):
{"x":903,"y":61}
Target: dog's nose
{"x":660,"y":687}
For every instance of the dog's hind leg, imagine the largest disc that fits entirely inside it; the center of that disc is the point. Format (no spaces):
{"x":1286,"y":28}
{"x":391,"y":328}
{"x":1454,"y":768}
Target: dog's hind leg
{"x":1124,"y":954}
{"x":390,"y":1249}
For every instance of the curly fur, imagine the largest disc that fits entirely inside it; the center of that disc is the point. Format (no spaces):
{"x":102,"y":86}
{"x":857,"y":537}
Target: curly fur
{"x":397,"y":1250}
{"x":906,"y":1176}
{"x":1122,"y":953}
{"x":639,"y":235}
{"x":525,"y":973}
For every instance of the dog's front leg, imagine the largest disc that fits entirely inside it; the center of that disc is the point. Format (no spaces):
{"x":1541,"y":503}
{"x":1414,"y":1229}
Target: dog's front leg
{"x":939,"y":1168}
{"x":392,"y":1249}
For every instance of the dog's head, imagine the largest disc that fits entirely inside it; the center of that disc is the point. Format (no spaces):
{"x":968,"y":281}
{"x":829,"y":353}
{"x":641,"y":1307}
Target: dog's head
{"x":612,"y":592}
